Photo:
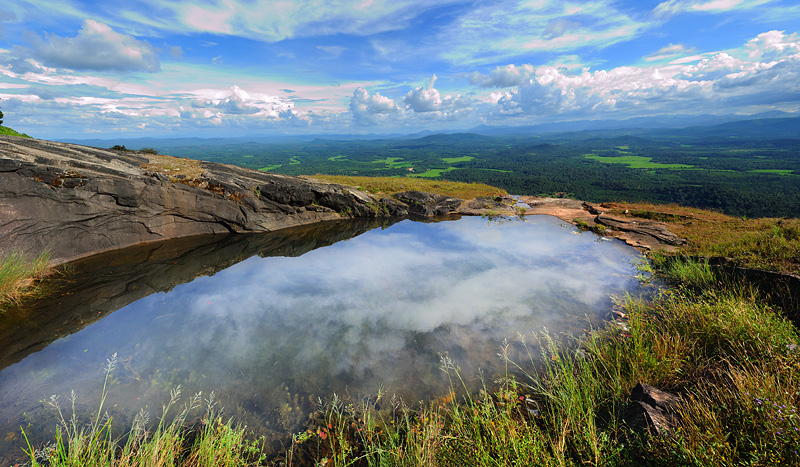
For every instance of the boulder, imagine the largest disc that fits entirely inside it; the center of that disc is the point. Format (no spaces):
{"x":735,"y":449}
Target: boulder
{"x":428,"y":204}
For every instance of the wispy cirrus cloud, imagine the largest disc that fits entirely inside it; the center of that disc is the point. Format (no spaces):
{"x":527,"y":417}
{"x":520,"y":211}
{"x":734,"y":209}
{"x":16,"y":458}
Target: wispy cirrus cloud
{"x":96,"y":47}
{"x":669,"y":52}
{"x":673,"y":7}
{"x":264,"y":20}
{"x":509,"y":29}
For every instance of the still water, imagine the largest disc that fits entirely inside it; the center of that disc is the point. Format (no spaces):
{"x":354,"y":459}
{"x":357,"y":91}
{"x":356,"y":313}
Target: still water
{"x":275,"y":321}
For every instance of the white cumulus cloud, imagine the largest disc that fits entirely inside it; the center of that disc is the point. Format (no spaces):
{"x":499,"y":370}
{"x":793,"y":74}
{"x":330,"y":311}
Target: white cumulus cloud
{"x":428,"y":99}
{"x":773,"y":45}
{"x":764,"y":72}
{"x":237,"y":107}
{"x":370,"y":109}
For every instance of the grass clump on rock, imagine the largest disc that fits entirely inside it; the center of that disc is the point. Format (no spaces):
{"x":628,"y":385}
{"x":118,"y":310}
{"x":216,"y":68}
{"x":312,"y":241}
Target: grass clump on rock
{"x":215,"y":442}
{"x":20,"y":277}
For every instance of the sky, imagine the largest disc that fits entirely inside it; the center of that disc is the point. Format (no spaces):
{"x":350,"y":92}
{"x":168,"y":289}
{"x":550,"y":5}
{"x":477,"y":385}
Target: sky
{"x":162,"y":68}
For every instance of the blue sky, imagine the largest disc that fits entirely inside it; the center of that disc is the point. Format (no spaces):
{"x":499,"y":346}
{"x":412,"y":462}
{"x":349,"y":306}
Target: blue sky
{"x":132,"y":68}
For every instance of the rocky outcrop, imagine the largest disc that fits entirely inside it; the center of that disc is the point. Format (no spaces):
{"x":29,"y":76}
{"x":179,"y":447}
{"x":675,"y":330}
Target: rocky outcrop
{"x":641,"y":234}
{"x":77,"y":201}
{"x":489,"y":206}
{"x":428,"y":204}
{"x":566,"y":209}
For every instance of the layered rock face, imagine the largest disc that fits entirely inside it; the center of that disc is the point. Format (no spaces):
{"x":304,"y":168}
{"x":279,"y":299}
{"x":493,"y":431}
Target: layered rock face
{"x":76,"y":201}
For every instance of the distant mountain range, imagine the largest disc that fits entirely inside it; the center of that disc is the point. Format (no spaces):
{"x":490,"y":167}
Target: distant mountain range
{"x":769,"y":125}
{"x":637,"y":123}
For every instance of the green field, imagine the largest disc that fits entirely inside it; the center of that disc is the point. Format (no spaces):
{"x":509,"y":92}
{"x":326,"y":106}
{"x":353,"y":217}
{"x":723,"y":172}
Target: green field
{"x":773,"y":171}
{"x":433,"y":173}
{"x":636,"y":162}
{"x":456,"y":160}
{"x":393,"y":162}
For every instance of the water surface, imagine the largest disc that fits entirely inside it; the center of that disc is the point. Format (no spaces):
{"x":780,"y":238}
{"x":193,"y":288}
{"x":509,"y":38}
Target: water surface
{"x":272,"y":334}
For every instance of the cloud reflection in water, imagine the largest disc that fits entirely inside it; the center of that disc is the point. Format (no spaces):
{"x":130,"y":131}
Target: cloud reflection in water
{"x":378,"y":309}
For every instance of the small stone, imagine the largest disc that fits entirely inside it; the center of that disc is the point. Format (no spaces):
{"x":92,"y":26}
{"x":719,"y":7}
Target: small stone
{"x":651,"y":409}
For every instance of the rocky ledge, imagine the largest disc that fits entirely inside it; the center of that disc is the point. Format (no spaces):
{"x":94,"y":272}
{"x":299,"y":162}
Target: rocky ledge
{"x":642,"y":234}
{"x":76,"y":201}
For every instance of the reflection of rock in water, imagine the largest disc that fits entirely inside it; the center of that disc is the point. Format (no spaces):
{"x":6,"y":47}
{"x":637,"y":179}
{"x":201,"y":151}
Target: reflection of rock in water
{"x":103,"y":283}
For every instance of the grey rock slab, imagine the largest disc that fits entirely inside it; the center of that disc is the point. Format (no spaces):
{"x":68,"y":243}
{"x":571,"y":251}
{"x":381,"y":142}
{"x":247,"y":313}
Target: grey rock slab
{"x":76,"y":201}
{"x":656,"y":230}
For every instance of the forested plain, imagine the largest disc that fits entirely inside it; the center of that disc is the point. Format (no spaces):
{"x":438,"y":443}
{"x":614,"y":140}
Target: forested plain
{"x":735,"y":171}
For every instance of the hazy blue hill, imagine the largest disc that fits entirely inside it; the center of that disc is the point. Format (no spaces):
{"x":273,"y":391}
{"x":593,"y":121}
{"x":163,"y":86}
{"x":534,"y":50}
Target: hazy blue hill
{"x":627,"y":126}
{"x":769,"y":125}
{"x":442,"y":139}
{"x":764,"y":128}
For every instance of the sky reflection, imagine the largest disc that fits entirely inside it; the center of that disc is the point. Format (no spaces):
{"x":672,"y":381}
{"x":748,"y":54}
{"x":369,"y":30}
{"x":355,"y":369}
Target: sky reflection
{"x":373,"y":311}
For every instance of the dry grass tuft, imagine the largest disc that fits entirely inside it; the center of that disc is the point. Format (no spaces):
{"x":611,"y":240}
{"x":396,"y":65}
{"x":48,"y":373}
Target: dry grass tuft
{"x":766,"y":243}
{"x":173,"y":166}
{"x":389,"y":185}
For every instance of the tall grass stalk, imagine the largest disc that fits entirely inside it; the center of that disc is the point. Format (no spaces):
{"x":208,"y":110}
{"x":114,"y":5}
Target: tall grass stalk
{"x":216,"y":442}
